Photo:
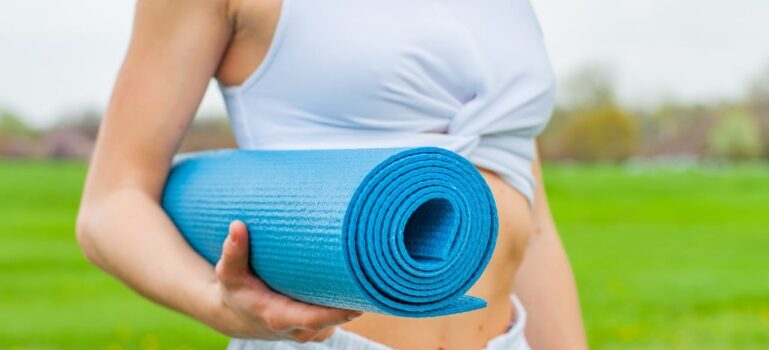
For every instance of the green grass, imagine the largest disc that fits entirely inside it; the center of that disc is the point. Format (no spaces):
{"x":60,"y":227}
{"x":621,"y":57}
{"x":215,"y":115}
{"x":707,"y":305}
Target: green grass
{"x":668,"y":259}
{"x":50,"y":297}
{"x":664,"y":259}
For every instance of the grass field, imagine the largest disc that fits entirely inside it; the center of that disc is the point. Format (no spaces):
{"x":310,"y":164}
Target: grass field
{"x":665,"y":259}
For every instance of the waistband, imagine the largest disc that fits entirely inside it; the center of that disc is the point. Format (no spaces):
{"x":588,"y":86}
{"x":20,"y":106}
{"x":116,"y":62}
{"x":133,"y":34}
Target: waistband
{"x":513,"y":339}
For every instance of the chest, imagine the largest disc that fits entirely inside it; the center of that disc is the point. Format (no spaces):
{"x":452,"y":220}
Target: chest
{"x":396,"y":59}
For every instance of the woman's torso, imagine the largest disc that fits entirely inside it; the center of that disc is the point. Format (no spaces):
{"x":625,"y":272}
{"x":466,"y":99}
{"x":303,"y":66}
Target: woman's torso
{"x":471,"y":76}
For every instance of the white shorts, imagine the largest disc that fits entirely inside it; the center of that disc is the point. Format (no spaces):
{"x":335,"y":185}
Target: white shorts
{"x":513,"y":339}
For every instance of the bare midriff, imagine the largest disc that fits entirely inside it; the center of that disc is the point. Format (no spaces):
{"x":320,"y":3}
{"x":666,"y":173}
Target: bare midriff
{"x":470,"y":330}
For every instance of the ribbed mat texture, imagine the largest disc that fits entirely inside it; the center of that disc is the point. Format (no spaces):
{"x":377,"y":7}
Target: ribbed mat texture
{"x":402,"y":231}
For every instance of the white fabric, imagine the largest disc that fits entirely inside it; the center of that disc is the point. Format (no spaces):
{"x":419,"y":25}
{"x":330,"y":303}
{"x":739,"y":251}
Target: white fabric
{"x":469,"y":76}
{"x":514,"y":339}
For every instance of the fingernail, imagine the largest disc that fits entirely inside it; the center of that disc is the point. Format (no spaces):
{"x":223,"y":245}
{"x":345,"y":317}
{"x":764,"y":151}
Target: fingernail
{"x":354,"y":316}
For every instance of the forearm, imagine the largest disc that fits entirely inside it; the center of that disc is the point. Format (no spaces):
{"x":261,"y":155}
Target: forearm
{"x":127,"y":234}
{"x":545,"y":284}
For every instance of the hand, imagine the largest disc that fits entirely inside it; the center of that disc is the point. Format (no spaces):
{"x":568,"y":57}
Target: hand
{"x":247,"y":308}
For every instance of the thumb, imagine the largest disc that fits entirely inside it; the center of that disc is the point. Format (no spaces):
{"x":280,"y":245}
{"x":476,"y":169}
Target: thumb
{"x":234,"y":260}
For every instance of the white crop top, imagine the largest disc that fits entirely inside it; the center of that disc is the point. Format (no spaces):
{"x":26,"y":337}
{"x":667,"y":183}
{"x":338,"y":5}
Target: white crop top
{"x":469,"y":76}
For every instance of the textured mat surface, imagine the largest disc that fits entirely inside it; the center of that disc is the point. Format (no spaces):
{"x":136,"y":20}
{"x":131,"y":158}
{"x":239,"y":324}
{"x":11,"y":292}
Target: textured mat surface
{"x":397,"y":231}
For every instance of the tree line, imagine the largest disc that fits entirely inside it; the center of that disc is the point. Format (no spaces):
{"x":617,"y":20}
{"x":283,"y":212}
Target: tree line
{"x":590,"y":125}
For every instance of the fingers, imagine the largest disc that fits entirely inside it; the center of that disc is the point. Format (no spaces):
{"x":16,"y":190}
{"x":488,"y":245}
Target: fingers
{"x":319,"y":317}
{"x":304,"y":336}
{"x":233,"y":264}
{"x":324,"y":334}
{"x":286,"y":314}
{"x":280,"y":315}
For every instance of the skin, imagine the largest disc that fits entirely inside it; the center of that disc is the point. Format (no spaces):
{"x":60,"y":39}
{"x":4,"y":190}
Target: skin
{"x":177,"y":46}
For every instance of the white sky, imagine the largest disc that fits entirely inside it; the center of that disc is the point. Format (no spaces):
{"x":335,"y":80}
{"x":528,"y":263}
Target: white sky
{"x":58,"y":57}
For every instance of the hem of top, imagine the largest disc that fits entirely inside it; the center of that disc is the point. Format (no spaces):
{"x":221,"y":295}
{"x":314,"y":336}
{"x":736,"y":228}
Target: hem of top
{"x":269,"y":57}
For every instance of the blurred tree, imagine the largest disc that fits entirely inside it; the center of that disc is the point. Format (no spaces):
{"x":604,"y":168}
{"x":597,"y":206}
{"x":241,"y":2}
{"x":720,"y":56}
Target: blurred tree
{"x":589,"y":124}
{"x":12,"y":124}
{"x":678,"y":129}
{"x":17,"y":139}
{"x":736,"y":136}
{"x":85,"y":121}
{"x":758,"y":99}
{"x":590,"y":86}
{"x":759,"y":91}
{"x":602,"y":133}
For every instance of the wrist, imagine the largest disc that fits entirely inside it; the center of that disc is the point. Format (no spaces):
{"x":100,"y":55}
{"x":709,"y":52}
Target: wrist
{"x":206,"y":304}
{"x":215,"y":313}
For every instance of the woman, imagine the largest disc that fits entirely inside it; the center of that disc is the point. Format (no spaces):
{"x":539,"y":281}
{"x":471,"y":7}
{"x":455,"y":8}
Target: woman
{"x":471,"y":76}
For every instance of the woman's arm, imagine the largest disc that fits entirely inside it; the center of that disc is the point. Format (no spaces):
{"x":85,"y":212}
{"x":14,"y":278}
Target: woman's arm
{"x":546,"y":285}
{"x":175,"y":49}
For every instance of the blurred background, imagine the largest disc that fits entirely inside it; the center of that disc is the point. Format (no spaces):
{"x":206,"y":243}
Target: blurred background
{"x":657,"y":165}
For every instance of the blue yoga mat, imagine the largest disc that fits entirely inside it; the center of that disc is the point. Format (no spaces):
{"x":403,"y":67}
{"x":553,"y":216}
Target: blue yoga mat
{"x":397,"y":231}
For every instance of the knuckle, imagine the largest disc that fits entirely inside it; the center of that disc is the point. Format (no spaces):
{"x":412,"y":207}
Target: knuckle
{"x":221,"y":271}
{"x":225,"y":277}
{"x":310,"y":323}
{"x":322,"y":337}
{"x":272,"y":322}
{"x":304,"y":337}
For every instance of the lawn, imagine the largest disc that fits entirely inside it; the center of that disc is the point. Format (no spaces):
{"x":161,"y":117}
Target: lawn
{"x":665,"y":258}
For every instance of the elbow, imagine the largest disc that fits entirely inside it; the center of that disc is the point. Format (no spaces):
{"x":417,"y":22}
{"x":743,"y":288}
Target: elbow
{"x":85,"y":233}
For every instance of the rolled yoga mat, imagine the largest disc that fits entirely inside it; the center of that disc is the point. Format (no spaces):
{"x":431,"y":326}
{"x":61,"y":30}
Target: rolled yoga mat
{"x":397,"y":231}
